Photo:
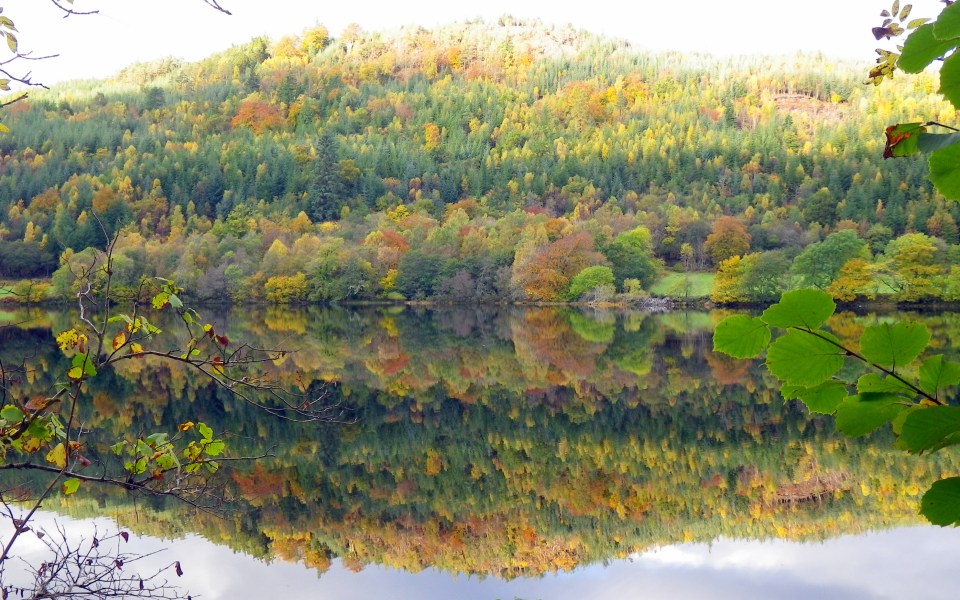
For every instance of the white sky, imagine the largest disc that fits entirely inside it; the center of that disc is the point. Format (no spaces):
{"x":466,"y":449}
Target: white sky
{"x":127,"y":31}
{"x":912,"y":562}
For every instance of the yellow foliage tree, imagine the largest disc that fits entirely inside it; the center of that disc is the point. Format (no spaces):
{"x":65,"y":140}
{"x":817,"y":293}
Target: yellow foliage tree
{"x":286,"y":289}
{"x":855,"y":278}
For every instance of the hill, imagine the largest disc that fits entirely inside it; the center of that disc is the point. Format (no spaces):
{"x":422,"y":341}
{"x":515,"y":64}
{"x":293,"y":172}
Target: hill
{"x":472,"y":161}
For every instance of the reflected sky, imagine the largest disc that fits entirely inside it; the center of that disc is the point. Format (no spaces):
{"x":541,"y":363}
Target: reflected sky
{"x":914,"y":562}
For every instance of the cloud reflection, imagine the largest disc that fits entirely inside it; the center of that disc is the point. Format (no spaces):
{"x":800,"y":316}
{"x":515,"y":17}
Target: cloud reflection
{"x":914,"y":562}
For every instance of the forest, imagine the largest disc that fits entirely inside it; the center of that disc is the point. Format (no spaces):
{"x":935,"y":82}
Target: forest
{"x":507,"y":161}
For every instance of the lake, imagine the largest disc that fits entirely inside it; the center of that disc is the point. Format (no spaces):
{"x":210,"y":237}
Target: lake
{"x":516,"y":453}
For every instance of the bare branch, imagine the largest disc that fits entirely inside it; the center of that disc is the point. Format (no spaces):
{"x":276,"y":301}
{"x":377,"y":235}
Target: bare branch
{"x":215,"y":4}
{"x":69,"y":10}
{"x":95,"y":566}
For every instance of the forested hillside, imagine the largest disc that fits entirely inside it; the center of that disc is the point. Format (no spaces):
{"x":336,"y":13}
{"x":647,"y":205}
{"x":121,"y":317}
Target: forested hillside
{"x":477,"y":161}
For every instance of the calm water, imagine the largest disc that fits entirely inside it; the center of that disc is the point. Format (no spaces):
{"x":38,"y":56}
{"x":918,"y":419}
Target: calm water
{"x":505,"y":453}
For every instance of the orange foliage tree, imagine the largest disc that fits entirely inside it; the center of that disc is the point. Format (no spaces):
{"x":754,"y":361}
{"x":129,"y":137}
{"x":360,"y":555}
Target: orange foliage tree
{"x":728,"y":237}
{"x":546,"y":274}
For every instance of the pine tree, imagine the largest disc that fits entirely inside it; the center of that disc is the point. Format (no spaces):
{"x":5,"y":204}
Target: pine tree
{"x":326,"y":188}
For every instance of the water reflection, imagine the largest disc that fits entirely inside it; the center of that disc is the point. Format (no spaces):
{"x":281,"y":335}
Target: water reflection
{"x":494,"y":446}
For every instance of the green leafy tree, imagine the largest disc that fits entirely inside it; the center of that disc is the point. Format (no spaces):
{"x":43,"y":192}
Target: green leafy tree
{"x":820,"y":263}
{"x":767,"y":276}
{"x":589,"y":280}
{"x":631,"y":257}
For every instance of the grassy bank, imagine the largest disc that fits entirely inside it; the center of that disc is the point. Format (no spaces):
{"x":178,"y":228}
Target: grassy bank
{"x":684,"y":285}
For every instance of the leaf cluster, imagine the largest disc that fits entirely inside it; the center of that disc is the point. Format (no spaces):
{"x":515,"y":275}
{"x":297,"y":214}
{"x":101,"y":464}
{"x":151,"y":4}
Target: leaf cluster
{"x":892,"y":384}
{"x":930,"y":41}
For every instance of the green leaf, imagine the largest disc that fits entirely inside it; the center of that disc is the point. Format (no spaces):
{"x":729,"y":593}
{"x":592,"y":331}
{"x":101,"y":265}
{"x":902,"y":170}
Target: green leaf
{"x":70,"y":486}
{"x":205,"y":432}
{"x":922,"y":48}
{"x":161,"y":300}
{"x":144,"y":449}
{"x":214,"y":448}
{"x":175,"y":301}
{"x":874,"y":383}
{"x":117,"y":448}
{"x":937,"y":372}
{"x":894,"y":345}
{"x":947,"y":25}
{"x":945,"y":171}
{"x":11,"y":414}
{"x":158,"y":439}
{"x":824,"y":398}
{"x":859,"y":415}
{"x":949,"y":85}
{"x":741,"y":336}
{"x":12,"y":42}
{"x":801,"y":358}
{"x":930,"y":429}
{"x":86,"y":366}
{"x":168,"y":461}
{"x":800,"y":308}
{"x":903,"y":139}
{"x":931,"y":142}
{"x":792,"y":392}
{"x":897,"y":423}
{"x":941,"y":504}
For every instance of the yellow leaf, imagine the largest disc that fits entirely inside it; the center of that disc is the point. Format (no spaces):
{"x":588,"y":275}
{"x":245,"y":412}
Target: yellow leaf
{"x":75,"y":373}
{"x":67,"y":338}
{"x":119,"y":340}
{"x":136,"y":348}
{"x":58,"y":456}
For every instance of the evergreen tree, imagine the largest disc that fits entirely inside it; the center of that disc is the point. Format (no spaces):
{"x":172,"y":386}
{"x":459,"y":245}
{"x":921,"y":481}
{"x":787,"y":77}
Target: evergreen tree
{"x":326,"y":188}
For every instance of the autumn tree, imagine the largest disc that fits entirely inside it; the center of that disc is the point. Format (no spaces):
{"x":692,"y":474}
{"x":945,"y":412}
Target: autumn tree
{"x":545,"y":275}
{"x":855,"y":278}
{"x":727,"y":285}
{"x":728,"y":237}
{"x":912,"y":264}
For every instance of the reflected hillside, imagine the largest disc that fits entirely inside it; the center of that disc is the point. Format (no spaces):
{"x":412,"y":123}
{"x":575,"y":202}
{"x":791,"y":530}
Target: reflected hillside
{"x":504,"y":442}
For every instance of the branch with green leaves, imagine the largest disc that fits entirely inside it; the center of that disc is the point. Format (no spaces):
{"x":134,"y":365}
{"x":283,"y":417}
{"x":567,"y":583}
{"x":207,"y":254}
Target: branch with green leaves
{"x":929,"y":41}
{"x":887,"y":378}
